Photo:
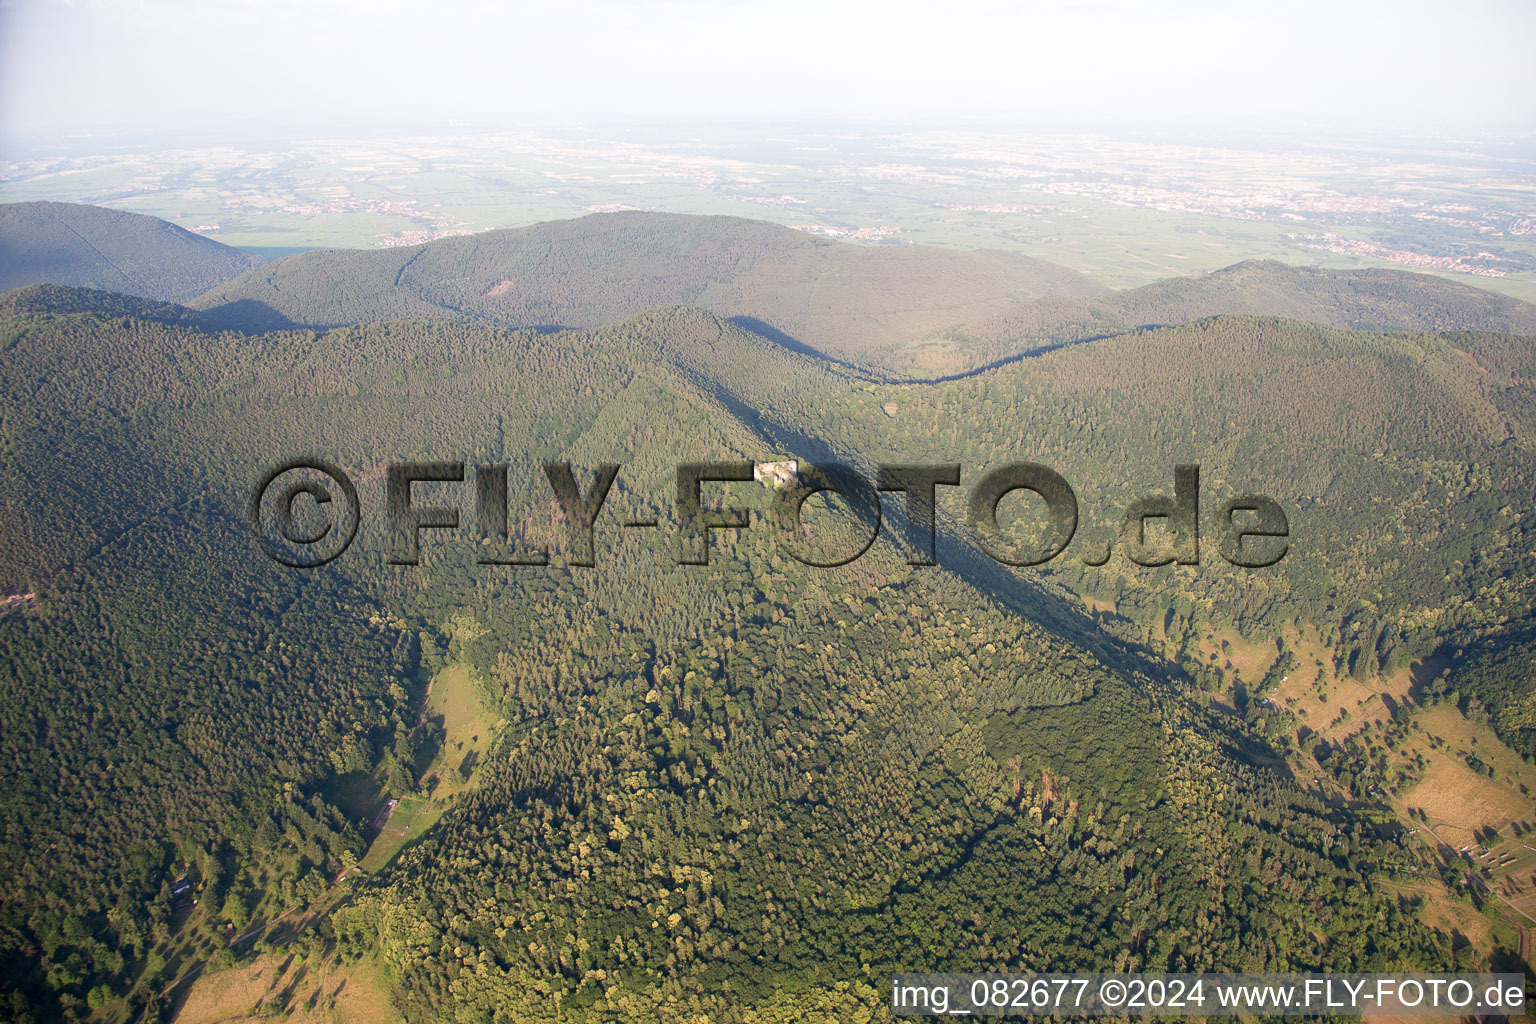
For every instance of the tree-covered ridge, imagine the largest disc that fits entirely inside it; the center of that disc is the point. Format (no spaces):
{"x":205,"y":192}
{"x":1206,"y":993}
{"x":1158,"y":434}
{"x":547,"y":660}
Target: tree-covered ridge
{"x":1370,"y":300}
{"x":916,"y":810}
{"x":923,"y":312}
{"x":112,"y":620}
{"x":815,"y":772}
{"x":1494,"y":679}
{"x":94,"y":247}
{"x":711,"y":834}
{"x":1403,"y":463}
{"x":52,"y":299}
{"x":842,"y":299}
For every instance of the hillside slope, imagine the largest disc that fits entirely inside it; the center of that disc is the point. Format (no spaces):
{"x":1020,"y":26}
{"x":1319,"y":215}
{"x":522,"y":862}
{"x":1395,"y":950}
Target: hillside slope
{"x":924,"y":312}
{"x":734,"y":786}
{"x":847,"y":301}
{"x":1368,"y":300}
{"x":94,"y":247}
{"x":65,"y":300}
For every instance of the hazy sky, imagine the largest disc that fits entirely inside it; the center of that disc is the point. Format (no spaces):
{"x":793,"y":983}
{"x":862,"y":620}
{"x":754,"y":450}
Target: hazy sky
{"x":336,"y":66}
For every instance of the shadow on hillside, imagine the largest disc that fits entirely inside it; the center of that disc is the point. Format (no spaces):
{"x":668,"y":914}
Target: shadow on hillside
{"x":1428,"y":671}
{"x":246,"y":315}
{"x":771,"y":333}
{"x":1030,"y":595}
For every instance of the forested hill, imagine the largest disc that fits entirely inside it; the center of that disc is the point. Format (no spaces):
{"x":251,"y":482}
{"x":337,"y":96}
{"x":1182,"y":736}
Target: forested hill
{"x":926,"y":312}
{"x":94,"y":247}
{"x":849,"y":301}
{"x":60,"y":300}
{"x":920,"y":311}
{"x":718,"y":790}
{"x":1404,"y":462}
{"x":1370,"y":300}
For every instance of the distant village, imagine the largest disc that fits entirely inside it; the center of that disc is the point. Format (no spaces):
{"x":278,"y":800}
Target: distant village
{"x":1359,"y":247}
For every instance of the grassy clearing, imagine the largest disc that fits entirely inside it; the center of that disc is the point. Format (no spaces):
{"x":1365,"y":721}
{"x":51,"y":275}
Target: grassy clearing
{"x":1097,"y":607}
{"x":1460,"y":801}
{"x":1234,"y":653}
{"x":276,"y":985}
{"x":412,"y":818}
{"x":455,"y":704}
{"x":468,"y":727}
{"x":272,"y":986}
{"x":1337,"y":707}
{"x":1465,"y":781}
